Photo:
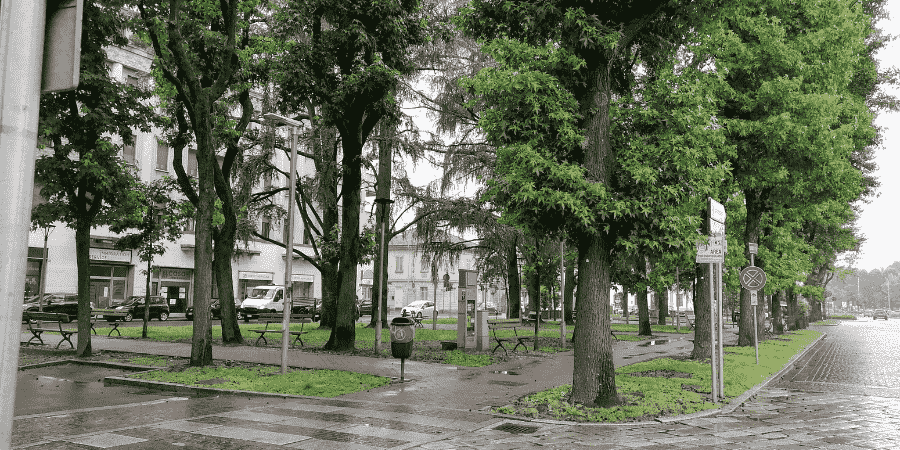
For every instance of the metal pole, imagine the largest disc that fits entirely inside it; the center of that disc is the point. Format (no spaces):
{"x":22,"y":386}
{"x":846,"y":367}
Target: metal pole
{"x":43,"y":281}
{"x":712,"y":334}
{"x":755,"y":335}
{"x":287,"y":302}
{"x":720,"y":321}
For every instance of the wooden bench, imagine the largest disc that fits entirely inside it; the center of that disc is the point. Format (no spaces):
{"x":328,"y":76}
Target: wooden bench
{"x":32,"y":317}
{"x":497,"y":325}
{"x":276,"y":318}
{"x":113,"y":317}
{"x":688,"y":319}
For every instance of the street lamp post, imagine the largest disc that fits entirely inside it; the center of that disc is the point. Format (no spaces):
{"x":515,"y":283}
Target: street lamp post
{"x":287,"y":302}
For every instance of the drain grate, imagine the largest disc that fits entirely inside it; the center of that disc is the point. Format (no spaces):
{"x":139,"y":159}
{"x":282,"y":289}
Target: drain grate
{"x":516,"y":429}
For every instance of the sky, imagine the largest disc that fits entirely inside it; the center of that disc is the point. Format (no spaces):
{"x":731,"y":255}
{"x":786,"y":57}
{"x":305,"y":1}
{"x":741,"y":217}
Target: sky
{"x":879,"y":221}
{"x":880,"y":218}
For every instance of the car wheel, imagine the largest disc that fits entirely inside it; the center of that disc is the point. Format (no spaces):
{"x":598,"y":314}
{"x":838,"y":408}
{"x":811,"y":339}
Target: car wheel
{"x":128,"y":317}
{"x":163,"y":316}
{"x":419,"y":315}
{"x":240,"y":315}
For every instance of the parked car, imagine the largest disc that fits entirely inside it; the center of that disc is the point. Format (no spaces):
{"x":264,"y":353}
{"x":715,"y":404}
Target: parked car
{"x":134,"y":307}
{"x":365,"y":307}
{"x":879,"y":313}
{"x":56,"y":303}
{"x":215,"y":309}
{"x":419,"y":309}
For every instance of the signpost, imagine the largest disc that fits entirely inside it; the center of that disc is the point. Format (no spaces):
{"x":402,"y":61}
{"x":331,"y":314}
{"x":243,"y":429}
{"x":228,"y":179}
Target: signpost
{"x":753,"y":279}
{"x":713,"y":253}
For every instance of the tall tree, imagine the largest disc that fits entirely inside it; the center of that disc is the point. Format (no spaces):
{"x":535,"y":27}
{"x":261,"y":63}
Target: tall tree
{"x":788,"y":107}
{"x":348,"y":58}
{"x":84,"y":177}
{"x":562,"y":66}
{"x":200,"y":47}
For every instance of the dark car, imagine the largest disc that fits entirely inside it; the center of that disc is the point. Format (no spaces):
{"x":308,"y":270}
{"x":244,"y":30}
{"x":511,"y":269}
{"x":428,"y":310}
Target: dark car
{"x":215,"y":309}
{"x":879,"y":314}
{"x":366,"y":308}
{"x":56,"y":303}
{"x":134,"y":307}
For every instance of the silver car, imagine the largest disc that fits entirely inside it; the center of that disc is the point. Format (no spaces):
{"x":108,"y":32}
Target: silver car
{"x":420,"y":309}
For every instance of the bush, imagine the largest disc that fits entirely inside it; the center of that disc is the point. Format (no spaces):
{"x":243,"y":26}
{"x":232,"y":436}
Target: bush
{"x":843,"y":317}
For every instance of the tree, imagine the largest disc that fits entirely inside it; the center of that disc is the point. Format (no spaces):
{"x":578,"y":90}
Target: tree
{"x":789,"y":110}
{"x":561,"y":67}
{"x":84,"y":176}
{"x":159,"y":218}
{"x":201,"y":49}
{"x":348,"y":58}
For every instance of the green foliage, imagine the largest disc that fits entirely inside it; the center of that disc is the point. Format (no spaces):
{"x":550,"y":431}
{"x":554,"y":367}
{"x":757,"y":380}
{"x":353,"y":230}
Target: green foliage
{"x":316,"y":383}
{"x":666,"y":387}
{"x":843,"y":317}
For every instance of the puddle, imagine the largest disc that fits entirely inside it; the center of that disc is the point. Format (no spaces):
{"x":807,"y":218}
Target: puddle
{"x":653,"y":342}
{"x":506,"y":372}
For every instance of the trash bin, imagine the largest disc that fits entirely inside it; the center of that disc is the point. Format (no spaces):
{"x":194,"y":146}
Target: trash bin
{"x":403,"y":332}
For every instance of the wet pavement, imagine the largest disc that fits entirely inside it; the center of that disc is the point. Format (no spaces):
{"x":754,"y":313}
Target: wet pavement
{"x":823,"y":403}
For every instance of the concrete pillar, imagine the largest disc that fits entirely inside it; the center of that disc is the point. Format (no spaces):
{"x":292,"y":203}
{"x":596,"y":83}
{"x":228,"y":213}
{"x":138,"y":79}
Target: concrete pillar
{"x":482,"y":342}
{"x":21,"y":52}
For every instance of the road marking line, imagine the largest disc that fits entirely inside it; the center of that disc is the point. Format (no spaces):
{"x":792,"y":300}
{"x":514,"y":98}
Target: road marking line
{"x":100,"y":408}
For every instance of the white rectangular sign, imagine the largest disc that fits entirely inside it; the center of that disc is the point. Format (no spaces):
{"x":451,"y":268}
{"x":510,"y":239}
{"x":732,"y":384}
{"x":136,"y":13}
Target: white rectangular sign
{"x":753,"y":299}
{"x":716,"y":228}
{"x":716,"y":211}
{"x":711,"y":252}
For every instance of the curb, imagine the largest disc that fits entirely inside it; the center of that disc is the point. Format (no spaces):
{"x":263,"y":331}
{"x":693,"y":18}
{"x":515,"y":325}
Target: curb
{"x":730,"y":407}
{"x":109,"y":364}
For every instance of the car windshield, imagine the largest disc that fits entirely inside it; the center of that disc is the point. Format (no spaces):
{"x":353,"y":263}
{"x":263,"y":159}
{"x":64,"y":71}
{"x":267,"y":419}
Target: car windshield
{"x":416,"y":304}
{"x":262,"y":293}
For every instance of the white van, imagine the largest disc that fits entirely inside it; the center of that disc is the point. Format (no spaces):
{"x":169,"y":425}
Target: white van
{"x":263,"y":299}
{"x":270,"y":299}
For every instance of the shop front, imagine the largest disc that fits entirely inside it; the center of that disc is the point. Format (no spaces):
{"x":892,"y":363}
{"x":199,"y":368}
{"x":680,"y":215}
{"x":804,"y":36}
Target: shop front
{"x":248,"y":280}
{"x":111,"y":276}
{"x":175,"y":285}
{"x":302,"y":285}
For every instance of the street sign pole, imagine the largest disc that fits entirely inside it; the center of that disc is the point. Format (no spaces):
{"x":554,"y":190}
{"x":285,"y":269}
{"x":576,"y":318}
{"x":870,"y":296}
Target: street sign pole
{"x":720,"y":322}
{"x":712,"y":334}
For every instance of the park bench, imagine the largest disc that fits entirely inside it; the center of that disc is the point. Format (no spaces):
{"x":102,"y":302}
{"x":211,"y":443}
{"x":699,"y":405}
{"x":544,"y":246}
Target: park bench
{"x":33,"y":317}
{"x":276,"y":318}
{"x":417,"y":319}
{"x":498,"y":325}
{"x":111,"y":316}
{"x":687,"y":319}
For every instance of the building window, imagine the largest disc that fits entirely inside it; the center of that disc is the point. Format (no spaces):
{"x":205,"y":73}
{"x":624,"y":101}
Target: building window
{"x":424,"y":267}
{"x":128,"y":153}
{"x":307,"y":236}
{"x":399,"y":264}
{"x":162,"y":156}
{"x":265,"y":229}
{"x":423,"y":293}
{"x":188,"y":225}
{"x":192,"y":163}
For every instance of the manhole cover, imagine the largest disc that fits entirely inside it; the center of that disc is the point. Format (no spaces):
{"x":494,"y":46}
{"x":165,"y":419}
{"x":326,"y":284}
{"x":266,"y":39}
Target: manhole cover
{"x":516,"y":429}
{"x":506,"y":383}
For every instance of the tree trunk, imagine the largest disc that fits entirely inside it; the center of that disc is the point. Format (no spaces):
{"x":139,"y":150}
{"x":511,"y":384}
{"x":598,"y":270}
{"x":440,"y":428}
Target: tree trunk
{"x":201,"y":342}
{"x":568,"y":302}
{"x":777,"y":315}
{"x":83,"y":264}
{"x":383,"y":222}
{"x":751,"y":235}
{"x":662,"y":305}
{"x":514,"y":292}
{"x":643,"y":312}
{"x":625,"y":303}
{"x":594,"y":376}
{"x":231,"y":332}
{"x":702,"y":319}
{"x":343,"y":334}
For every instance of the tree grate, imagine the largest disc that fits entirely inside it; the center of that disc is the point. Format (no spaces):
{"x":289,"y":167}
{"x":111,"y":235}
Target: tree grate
{"x":516,"y":429}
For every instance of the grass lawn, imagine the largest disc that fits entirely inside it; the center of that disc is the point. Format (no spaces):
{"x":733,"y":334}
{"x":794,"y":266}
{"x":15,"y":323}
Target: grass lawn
{"x":316,"y":383}
{"x":665,"y":387}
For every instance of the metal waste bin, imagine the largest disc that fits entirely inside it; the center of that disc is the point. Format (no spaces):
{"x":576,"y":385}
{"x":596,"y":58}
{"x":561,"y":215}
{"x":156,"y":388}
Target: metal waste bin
{"x":403,"y":332}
